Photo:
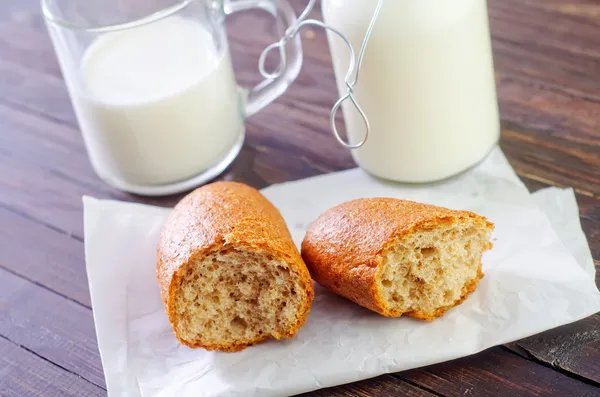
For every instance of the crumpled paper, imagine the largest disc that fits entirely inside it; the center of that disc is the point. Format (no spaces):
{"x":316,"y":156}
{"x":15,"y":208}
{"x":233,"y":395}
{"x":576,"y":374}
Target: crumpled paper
{"x":535,"y":279}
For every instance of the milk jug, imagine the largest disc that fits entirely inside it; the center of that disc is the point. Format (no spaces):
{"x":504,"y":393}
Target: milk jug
{"x":426,"y":85}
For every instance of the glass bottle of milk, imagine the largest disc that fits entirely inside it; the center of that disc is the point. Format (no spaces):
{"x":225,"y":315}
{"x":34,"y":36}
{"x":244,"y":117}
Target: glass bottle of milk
{"x":426,"y":84}
{"x":153,"y":88}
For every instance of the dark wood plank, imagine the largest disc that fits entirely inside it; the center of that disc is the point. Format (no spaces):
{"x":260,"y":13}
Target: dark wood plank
{"x":49,"y":326}
{"x":44,"y":255}
{"x":497,"y":372}
{"x":549,"y":42}
{"x":383,"y":386}
{"x":573,"y":348}
{"x":554,"y":160}
{"x":547,"y":62}
{"x":37,"y":91}
{"x":24,"y":38}
{"x":24,"y":374}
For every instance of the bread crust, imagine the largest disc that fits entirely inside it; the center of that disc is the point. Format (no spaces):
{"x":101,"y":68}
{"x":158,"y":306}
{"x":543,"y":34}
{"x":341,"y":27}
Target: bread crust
{"x":343,"y":249}
{"x":221,"y":216}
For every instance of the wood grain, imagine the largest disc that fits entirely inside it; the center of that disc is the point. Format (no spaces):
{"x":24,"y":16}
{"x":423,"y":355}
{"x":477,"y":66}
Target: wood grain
{"x":383,"y":386}
{"x":496,"y":372}
{"x":572,"y":348}
{"x":547,"y":63}
{"x":49,"y":326}
{"x":24,"y":374}
{"x":57,"y":263}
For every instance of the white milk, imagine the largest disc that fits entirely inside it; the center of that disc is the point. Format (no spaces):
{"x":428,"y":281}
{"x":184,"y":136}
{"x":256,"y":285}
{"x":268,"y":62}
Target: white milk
{"x":426,"y":84}
{"x":159,"y":103}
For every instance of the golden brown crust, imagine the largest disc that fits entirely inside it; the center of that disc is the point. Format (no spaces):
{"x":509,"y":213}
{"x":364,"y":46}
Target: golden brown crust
{"x":343,"y":247}
{"x":215,"y":217}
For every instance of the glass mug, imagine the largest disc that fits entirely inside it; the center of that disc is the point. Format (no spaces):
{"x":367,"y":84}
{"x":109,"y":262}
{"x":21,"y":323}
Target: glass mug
{"x":153,"y":87}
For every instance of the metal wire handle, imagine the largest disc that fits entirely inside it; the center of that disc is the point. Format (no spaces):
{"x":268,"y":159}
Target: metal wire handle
{"x":291,"y":32}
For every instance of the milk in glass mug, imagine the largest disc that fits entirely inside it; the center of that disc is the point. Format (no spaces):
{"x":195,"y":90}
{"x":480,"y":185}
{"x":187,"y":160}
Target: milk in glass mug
{"x":153,"y":87}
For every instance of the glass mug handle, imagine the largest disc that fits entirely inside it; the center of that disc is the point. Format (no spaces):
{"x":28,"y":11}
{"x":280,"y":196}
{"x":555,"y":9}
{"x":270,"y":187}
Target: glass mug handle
{"x":270,"y":89}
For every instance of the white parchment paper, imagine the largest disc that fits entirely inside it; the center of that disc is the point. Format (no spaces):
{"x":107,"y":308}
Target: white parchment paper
{"x":535,"y":279}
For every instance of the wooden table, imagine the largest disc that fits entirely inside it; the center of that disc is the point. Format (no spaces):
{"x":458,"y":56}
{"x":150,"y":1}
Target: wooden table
{"x":547,"y":55}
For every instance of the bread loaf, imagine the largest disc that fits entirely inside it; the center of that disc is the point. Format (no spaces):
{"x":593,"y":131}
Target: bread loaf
{"x":397,"y":257}
{"x":230,"y":275}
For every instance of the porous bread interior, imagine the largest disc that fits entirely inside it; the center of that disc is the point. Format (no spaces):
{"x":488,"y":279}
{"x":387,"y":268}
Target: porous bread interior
{"x":234,"y":298}
{"x":428,"y":270}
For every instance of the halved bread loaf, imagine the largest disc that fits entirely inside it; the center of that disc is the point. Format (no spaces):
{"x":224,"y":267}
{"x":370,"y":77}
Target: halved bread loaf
{"x":397,"y":257}
{"x":230,"y":275}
